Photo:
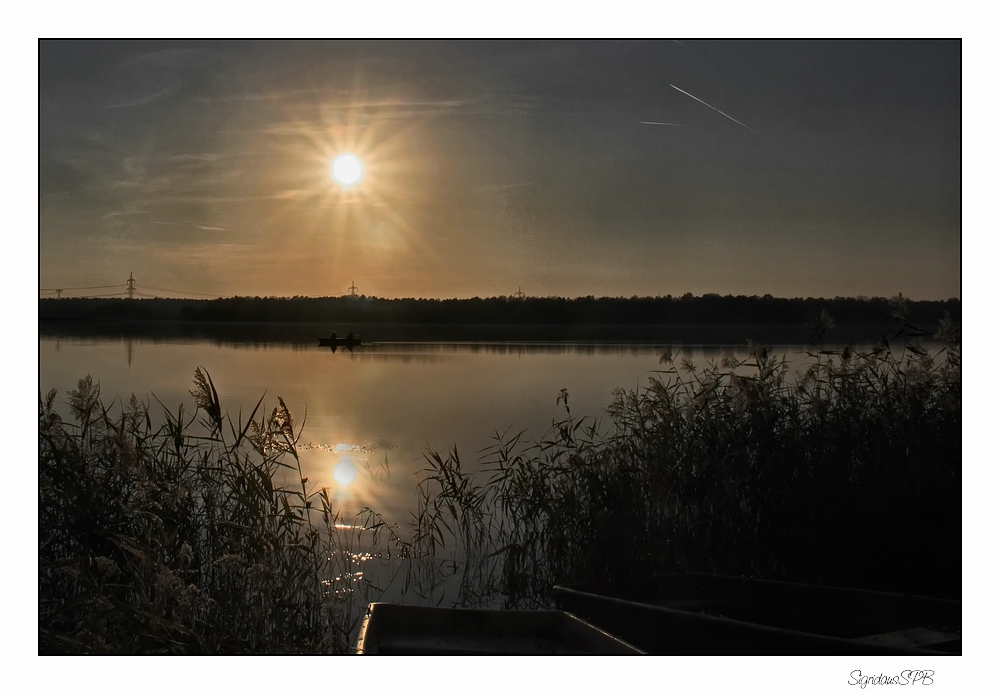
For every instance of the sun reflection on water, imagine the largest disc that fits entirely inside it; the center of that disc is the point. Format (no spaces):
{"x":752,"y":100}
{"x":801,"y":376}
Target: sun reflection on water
{"x":345,"y":472}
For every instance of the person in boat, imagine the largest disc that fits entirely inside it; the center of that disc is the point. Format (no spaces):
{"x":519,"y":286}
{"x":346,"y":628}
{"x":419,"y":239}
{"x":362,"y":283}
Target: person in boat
{"x":333,"y":336}
{"x":350,"y":337}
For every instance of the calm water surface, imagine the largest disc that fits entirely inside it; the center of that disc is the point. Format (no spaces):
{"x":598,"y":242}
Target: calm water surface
{"x":370,"y":415}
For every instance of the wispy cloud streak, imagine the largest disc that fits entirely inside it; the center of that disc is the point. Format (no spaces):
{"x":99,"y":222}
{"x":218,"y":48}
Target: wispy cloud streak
{"x":716,"y":110}
{"x":192,"y":225}
{"x":276,"y":94}
{"x":147,"y":99}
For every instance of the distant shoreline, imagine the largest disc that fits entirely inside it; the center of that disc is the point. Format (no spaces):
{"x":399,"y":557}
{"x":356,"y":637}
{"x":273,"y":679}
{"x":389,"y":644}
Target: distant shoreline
{"x":710,"y":309}
{"x":308,"y":333}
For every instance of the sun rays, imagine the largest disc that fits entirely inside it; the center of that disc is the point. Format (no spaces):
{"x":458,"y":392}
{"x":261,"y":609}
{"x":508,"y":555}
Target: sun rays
{"x":356,"y":176}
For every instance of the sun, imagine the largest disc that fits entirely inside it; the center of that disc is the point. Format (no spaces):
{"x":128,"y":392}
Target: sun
{"x":346,"y":170}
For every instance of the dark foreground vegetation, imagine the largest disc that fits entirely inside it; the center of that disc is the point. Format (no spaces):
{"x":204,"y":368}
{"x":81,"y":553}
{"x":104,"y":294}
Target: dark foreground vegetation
{"x":183,"y":537}
{"x":682,"y":310}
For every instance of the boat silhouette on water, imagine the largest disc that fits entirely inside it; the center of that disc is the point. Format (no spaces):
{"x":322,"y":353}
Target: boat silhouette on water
{"x":700,"y":614}
{"x":350,"y":341}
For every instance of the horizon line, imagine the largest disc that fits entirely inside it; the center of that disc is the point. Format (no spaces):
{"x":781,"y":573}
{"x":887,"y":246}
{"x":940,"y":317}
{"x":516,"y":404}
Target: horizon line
{"x":768,"y":296}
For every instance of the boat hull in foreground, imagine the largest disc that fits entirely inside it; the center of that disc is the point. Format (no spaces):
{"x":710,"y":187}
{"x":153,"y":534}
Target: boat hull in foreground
{"x":409,"y":629}
{"x":701,"y":614}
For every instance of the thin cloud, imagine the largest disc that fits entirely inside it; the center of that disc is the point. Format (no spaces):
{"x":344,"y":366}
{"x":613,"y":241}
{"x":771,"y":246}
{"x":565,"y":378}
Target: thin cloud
{"x":400,"y":103}
{"x":277,"y":94}
{"x":716,"y":110}
{"x":347,"y":105}
{"x":195,"y":157}
{"x":148,"y":98}
{"x":190,"y":225}
{"x":128,"y":211}
{"x":412,"y":113}
{"x":152,"y":77}
{"x":292,"y":194}
{"x":501,"y":186}
{"x":208,"y":199}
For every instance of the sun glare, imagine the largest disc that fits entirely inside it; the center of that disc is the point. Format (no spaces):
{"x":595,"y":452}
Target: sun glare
{"x":344,"y":472}
{"x":346,"y":170}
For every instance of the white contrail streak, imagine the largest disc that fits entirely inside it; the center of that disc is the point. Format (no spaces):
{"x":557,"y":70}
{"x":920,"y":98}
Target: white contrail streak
{"x":653,"y":122}
{"x":717,"y":110}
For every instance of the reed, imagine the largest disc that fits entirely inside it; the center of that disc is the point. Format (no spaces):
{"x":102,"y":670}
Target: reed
{"x":196,"y":535}
{"x":846,"y":473}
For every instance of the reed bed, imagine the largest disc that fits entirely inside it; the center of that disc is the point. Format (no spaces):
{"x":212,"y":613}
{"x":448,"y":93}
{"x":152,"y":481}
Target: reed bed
{"x":847,"y":473}
{"x":187,"y":537}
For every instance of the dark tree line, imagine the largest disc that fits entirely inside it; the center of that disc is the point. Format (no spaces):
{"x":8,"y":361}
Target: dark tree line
{"x":680,"y":310}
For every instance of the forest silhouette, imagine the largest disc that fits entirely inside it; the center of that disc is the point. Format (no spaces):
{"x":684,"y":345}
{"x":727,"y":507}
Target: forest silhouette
{"x":679,"y":310}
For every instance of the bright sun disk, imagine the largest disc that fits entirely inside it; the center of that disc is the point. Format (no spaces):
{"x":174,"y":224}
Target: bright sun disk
{"x":346,"y":170}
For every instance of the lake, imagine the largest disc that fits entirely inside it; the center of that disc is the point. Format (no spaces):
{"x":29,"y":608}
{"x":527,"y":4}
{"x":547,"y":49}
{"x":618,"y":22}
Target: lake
{"x":371,"y":414}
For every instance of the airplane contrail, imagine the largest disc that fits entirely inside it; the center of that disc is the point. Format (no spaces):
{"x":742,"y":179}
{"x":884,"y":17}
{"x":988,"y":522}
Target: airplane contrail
{"x":653,"y":122}
{"x":717,"y":110}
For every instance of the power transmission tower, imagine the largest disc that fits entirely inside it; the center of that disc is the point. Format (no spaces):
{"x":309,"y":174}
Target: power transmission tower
{"x":130,"y":289}
{"x":354,"y":290}
{"x":519,"y":294}
{"x":59,"y":293}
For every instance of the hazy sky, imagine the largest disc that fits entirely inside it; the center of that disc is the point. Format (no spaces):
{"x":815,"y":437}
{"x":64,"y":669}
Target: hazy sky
{"x":812,"y":168}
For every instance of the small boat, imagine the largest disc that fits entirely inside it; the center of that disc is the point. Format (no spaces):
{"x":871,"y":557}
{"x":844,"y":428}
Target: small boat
{"x":410,"y":630}
{"x":702,"y":614}
{"x":350,"y":341}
